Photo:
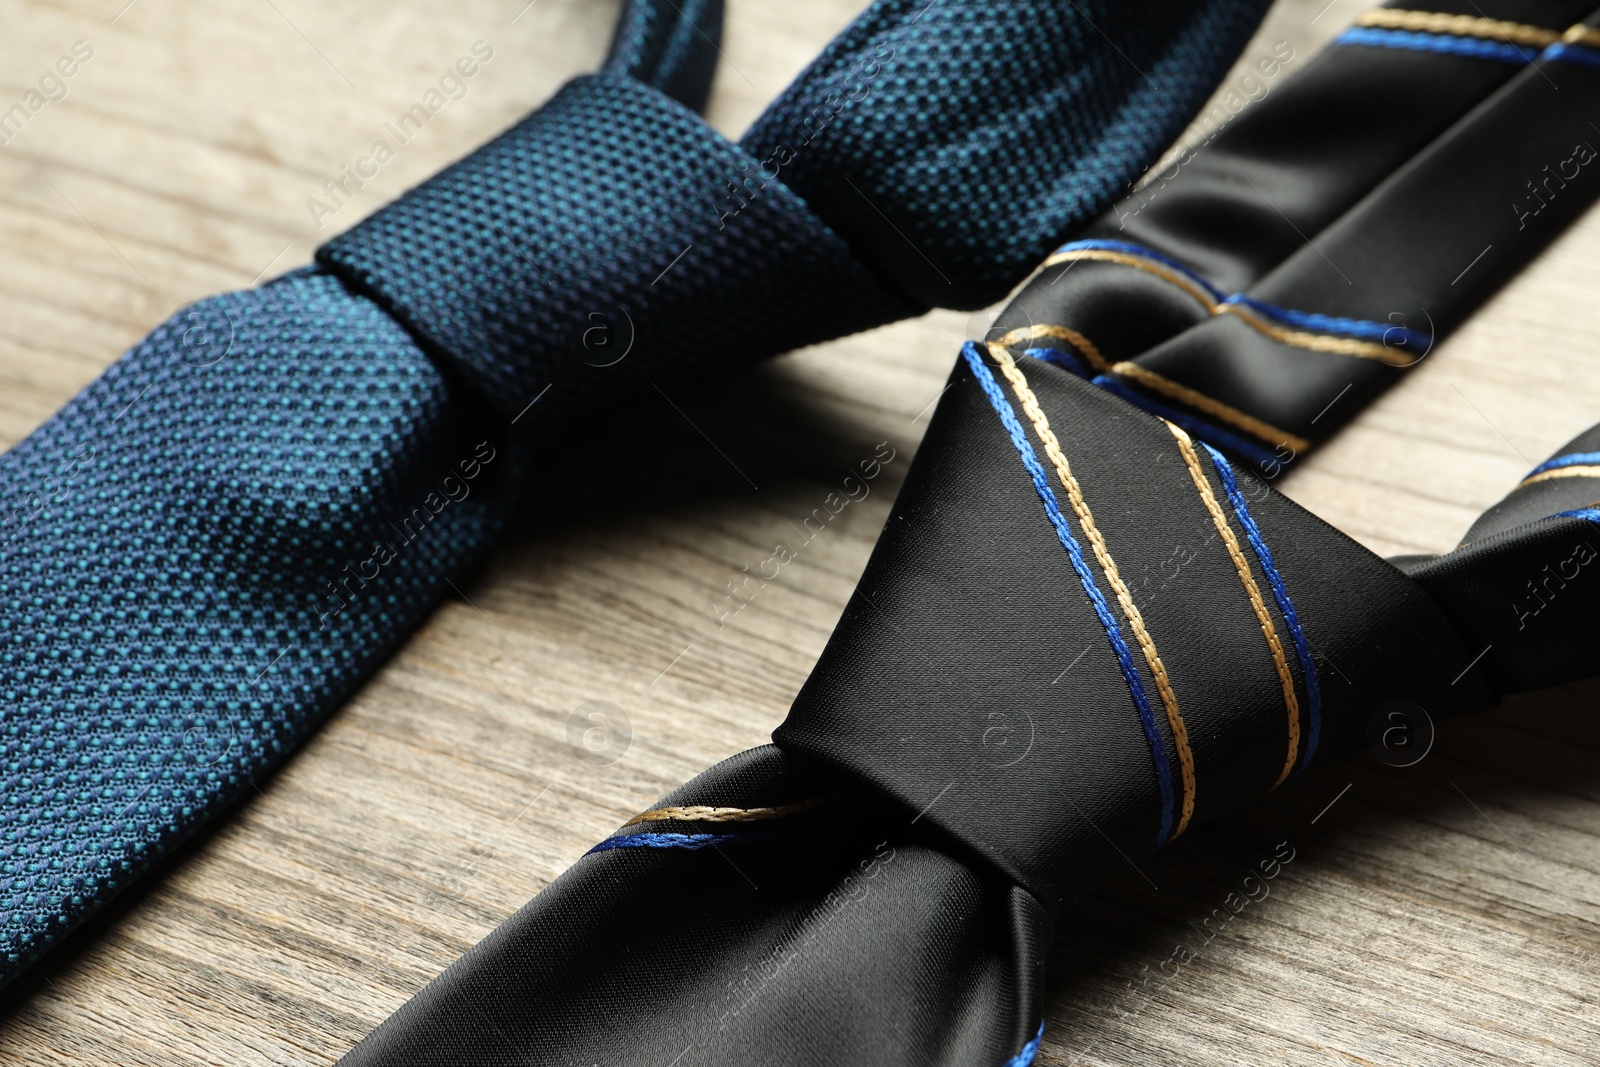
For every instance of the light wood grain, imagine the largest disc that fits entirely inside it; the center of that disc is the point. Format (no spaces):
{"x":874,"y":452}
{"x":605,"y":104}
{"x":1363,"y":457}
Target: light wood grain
{"x":1448,"y":913}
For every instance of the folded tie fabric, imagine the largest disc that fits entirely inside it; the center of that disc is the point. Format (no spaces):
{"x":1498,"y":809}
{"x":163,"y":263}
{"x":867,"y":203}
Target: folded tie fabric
{"x":231,"y":528}
{"x":1216,"y":295}
{"x":1004,"y":717}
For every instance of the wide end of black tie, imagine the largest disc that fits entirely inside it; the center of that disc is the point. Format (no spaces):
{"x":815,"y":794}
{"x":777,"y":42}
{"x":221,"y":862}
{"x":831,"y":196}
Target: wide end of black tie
{"x":770,"y":911}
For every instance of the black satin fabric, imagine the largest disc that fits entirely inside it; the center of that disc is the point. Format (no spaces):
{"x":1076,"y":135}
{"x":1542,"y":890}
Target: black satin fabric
{"x":824,"y":945}
{"x":1292,"y":164}
{"x":969,"y":583}
{"x":1524,"y":585}
{"x":966,"y":755}
{"x":1378,"y":184}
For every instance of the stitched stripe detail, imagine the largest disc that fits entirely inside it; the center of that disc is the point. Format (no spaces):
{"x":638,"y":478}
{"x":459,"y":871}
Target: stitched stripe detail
{"x":1592,"y":513}
{"x":1085,"y":347}
{"x":659,"y":839}
{"x":689,"y":841}
{"x":1553,"y":468}
{"x":1458,"y":25}
{"x":1385,"y":334}
{"x":1571,"y":459}
{"x":684,"y":841}
{"x":1141,"y":633}
{"x":1319,"y":333}
{"x":1069,"y":251}
{"x":1029,"y":1051}
{"x":1041,"y":484}
{"x":1572,"y":53}
{"x":1472,"y":47}
{"x":1153,"y":381}
{"x":701,"y":813}
{"x":1196,"y":426}
{"x":1318,"y":342}
{"x":1577,"y":45}
{"x":1055,"y":357}
{"x":1253,"y":591}
{"x":1215,"y":408}
{"x":1149,"y":262}
{"x":1581,"y":34}
{"x":1280,"y":593}
{"x":1561,"y":472}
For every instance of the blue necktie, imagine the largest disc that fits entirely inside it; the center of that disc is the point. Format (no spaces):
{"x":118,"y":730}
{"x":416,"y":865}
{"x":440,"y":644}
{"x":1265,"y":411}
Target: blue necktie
{"x":219,"y":539}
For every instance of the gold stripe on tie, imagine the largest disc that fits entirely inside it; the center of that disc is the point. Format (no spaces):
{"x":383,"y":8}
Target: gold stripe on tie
{"x":1080,"y":507}
{"x":1388,"y":18}
{"x":1263,"y":616}
{"x":1149,"y":266}
{"x":1201,"y":402}
{"x":1058,"y":333}
{"x":1587,"y":471}
{"x":1581,"y":34}
{"x":701,"y":813}
{"x":1317,"y":342}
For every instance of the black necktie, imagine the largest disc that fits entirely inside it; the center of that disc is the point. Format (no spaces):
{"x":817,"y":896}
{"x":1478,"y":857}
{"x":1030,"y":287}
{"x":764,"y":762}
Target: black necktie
{"x":211,"y":546}
{"x":1003,"y":717}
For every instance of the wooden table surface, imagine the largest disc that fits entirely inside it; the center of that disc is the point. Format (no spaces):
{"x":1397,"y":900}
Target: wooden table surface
{"x":1448,"y":913}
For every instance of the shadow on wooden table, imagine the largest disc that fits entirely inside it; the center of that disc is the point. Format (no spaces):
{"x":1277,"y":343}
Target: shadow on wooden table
{"x":1464,"y":888}
{"x":752,"y":435}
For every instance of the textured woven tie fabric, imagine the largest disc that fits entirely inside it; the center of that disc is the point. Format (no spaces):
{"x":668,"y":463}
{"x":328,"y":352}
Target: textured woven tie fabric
{"x":1004,"y":715}
{"x":220,"y":538}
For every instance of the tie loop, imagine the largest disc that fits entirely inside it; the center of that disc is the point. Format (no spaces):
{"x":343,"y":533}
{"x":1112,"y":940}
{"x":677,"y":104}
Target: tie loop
{"x":982,"y":618}
{"x":899,"y":172}
{"x":612,"y":207}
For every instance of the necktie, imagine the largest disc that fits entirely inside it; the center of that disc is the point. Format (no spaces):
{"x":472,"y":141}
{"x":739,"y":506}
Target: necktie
{"x":1006,"y":714}
{"x":213,"y":544}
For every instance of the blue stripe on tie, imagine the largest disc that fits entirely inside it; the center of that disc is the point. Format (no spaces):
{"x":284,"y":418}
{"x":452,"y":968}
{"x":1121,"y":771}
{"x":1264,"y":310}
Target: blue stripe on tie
{"x":659,"y":840}
{"x":1365,"y":329}
{"x":1338,"y":325}
{"x":1131,"y":249}
{"x":1572,"y":53}
{"x":1056,"y":357}
{"x":1029,"y":1051}
{"x":694,"y":841}
{"x":666,"y":839}
{"x":1444,"y":43}
{"x":1571,"y":459}
{"x":1030,"y":460}
{"x":1196,"y":427}
{"x":1280,"y":593}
